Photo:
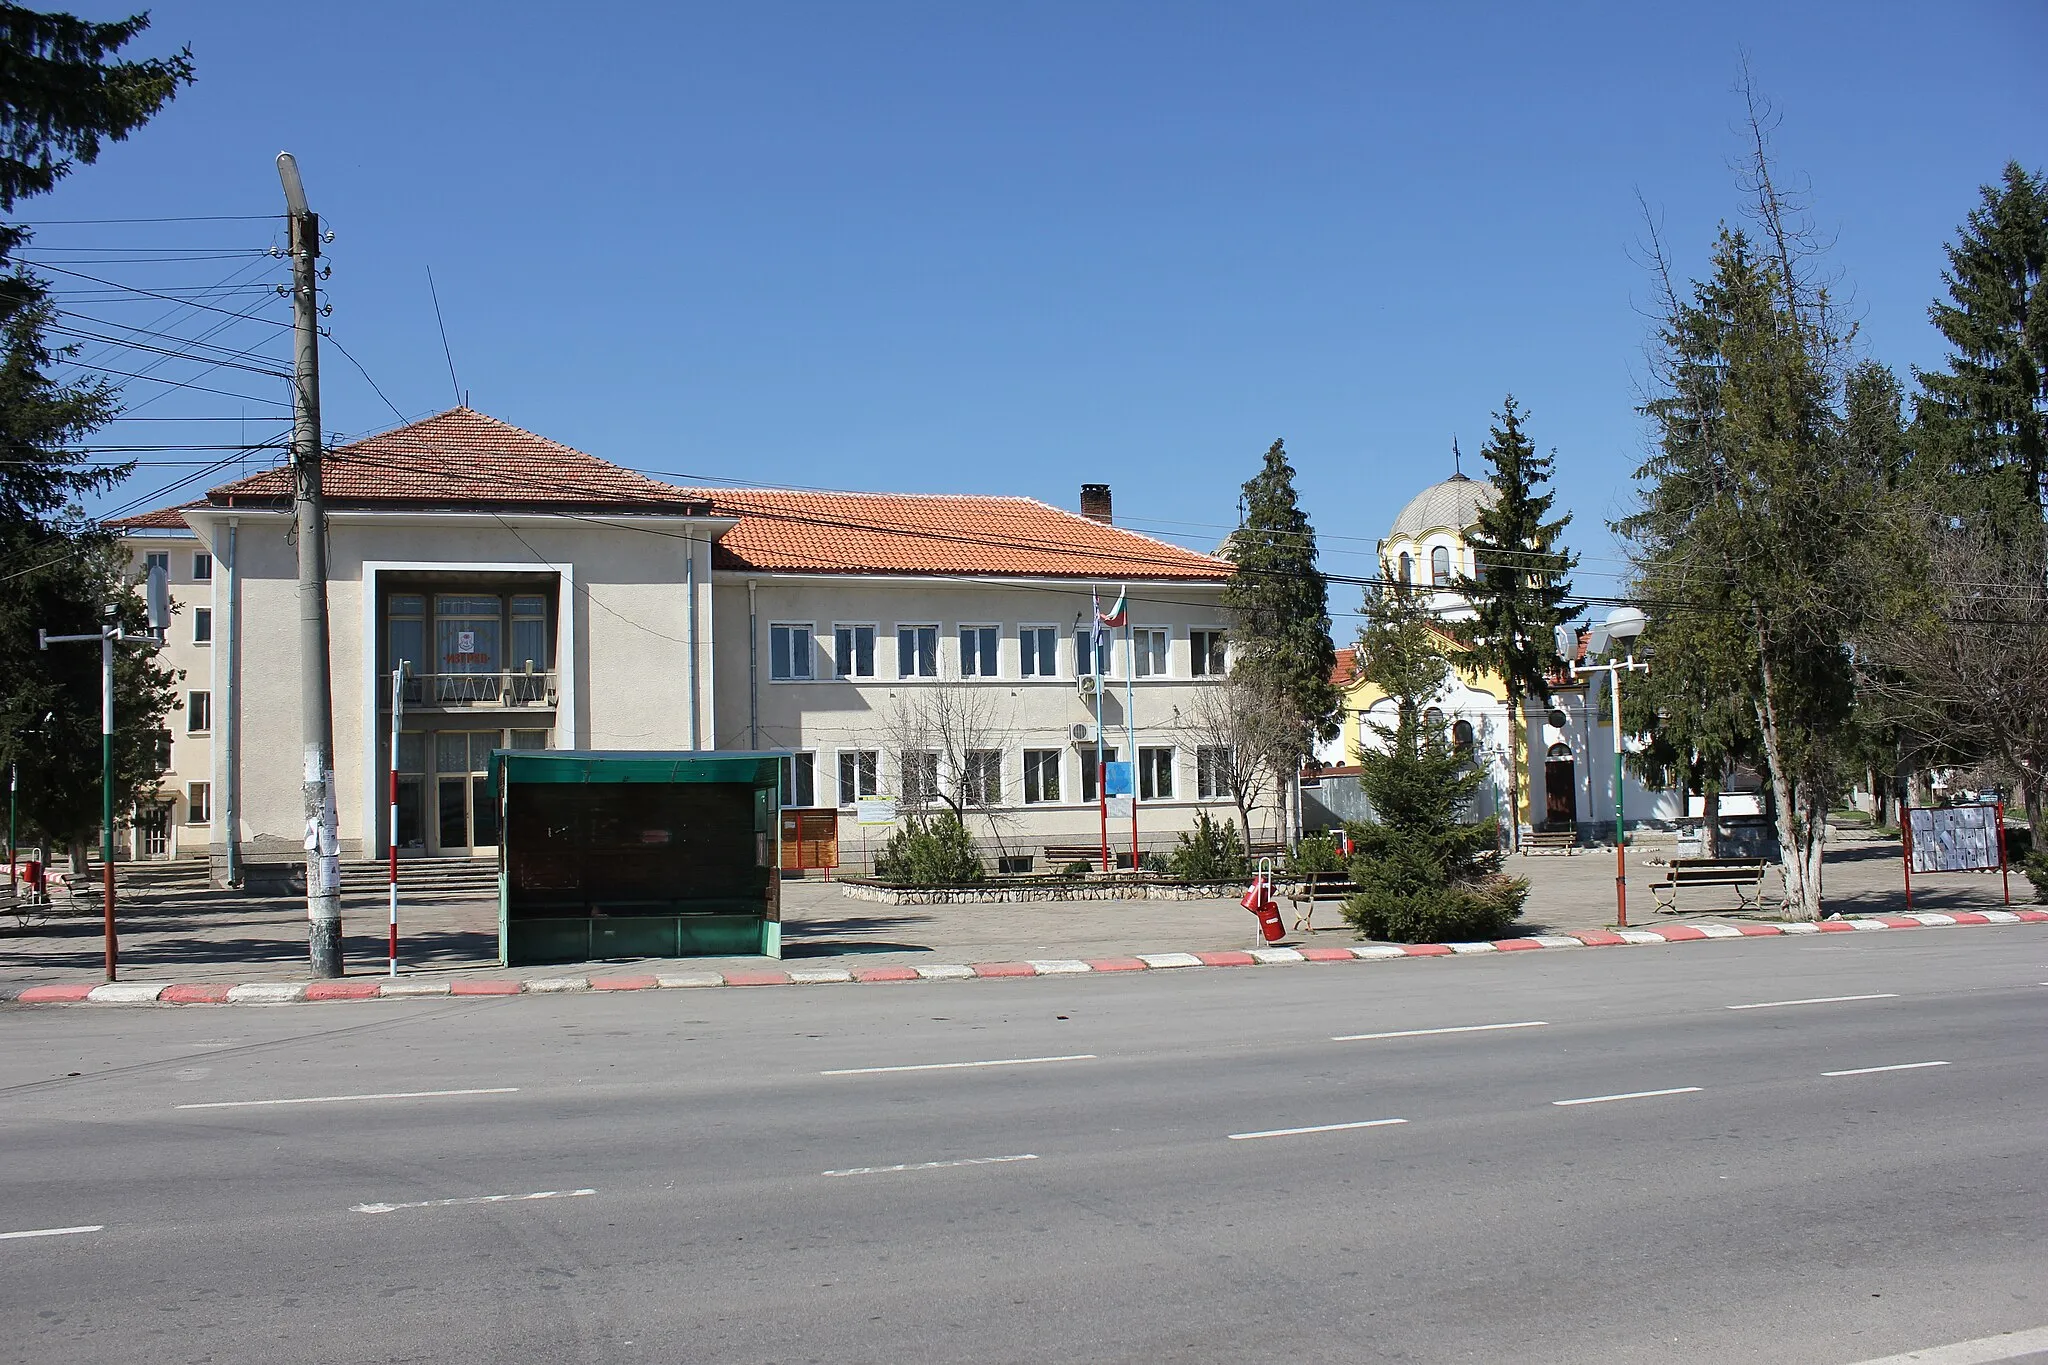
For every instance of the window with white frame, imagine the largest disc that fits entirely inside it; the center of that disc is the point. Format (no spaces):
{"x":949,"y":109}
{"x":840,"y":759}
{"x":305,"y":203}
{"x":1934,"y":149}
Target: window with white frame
{"x":917,"y":651}
{"x":789,"y":653}
{"x":202,"y":568}
{"x":1041,"y":775}
{"x":981,"y":778}
{"x":156,"y":559}
{"x":1037,"y":649}
{"x":920,"y":775}
{"x":1148,"y":651}
{"x":1091,"y":653}
{"x":198,"y":712}
{"x":1440,"y":567}
{"x":858,"y":774}
{"x":160,"y":751}
{"x":202,"y":625}
{"x":1155,"y":774}
{"x":1212,"y":771}
{"x":853,"y":651}
{"x":978,"y":651}
{"x":800,"y":780}
{"x":1205,"y":654}
{"x":1088,"y":770}
{"x":199,"y":803}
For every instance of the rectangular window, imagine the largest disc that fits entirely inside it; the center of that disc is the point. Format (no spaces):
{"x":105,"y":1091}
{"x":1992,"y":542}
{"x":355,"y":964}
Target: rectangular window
{"x":202,"y":568}
{"x":1042,"y":775}
{"x":529,"y":633}
{"x":800,"y":780}
{"x":981,"y":781}
{"x":1148,"y":650}
{"x":977,"y":651}
{"x":199,"y":803}
{"x":1036,"y":647}
{"x":1091,"y":661}
{"x":202,"y":625}
{"x":1212,"y":771}
{"x":1155,"y":774}
{"x":789,"y":653}
{"x":857,"y":773}
{"x":156,"y":559}
{"x":917,"y":651}
{"x":920,"y":776}
{"x":466,"y":639}
{"x":1205,"y":654}
{"x":528,"y":739}
{"x":1088,"y":787}
{"x":853,"y":652}
{"x":198,"y":712}
{"x":161,"y":756}
{"x":412,"y":751}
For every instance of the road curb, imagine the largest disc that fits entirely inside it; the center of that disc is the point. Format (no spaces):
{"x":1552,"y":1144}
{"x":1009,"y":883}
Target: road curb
{"x":160,"y":994}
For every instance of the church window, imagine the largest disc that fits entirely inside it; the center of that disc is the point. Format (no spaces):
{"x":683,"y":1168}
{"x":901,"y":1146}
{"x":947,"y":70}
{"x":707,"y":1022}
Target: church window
{"x":1407,"y":567}
{"x":1440,"y":566}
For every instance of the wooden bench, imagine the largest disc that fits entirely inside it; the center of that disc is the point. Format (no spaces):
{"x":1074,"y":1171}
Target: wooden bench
{"x":1565,"y":841}
{"x":1744,"y":875}
{"x":1306,"y":888}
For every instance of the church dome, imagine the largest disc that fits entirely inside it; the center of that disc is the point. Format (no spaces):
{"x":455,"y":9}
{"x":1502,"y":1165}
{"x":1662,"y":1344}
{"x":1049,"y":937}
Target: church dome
{"x":1452,"y":505}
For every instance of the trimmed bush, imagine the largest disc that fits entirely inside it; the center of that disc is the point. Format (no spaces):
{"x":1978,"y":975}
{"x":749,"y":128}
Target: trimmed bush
{"x":2036,"y":868}
{"x":935,"y":852}
{"x":1078,"y":868}
{"x":1316,"y":853}
{"x":1210,"y":852}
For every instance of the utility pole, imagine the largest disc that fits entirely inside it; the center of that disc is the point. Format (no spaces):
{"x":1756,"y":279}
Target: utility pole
{"x":309,"y":520}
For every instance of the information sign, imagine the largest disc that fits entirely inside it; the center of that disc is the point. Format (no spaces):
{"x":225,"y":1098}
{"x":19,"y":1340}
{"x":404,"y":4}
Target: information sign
{"x":875,"y":810}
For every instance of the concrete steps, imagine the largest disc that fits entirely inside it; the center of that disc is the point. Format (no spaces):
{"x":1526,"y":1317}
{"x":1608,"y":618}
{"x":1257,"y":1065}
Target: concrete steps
{"x":443,"y":878}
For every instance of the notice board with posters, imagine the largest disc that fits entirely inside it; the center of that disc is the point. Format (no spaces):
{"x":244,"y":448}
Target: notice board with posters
{"x":1954,"y":839}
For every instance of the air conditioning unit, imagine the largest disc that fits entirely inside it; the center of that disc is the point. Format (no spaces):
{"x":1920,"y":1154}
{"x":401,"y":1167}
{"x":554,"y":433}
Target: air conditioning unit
{"x":1080,"y":732}
{"x":1088,"y":684}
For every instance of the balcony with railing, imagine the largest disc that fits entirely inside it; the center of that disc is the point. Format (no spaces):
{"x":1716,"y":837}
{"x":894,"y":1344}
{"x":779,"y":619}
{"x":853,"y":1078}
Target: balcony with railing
{"x":504,"y":689}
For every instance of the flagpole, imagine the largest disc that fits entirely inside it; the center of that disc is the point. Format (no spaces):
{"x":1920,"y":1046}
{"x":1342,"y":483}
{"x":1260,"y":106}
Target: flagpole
{"x":1131,"y":716}
{"x":1101,"y":773}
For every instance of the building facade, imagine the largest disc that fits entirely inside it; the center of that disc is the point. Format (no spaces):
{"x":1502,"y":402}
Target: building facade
{"x":491,"y":589}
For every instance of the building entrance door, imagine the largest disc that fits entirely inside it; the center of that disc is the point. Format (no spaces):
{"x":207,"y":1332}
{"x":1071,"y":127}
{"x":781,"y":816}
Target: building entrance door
{"x":1560,"y":794}
{"x":466,"y":813}
{"x":153,"y":832}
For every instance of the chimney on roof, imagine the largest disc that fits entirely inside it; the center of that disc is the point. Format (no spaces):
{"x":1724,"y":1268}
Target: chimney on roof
{"x":1095,"y":503}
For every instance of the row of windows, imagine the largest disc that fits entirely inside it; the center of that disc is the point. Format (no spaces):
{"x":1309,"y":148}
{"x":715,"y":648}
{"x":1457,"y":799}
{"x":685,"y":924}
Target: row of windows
{"x":1439,"y":567}
{"x":982,"y":779}
{"x":202,"y":564}
{"x":794,"y":650}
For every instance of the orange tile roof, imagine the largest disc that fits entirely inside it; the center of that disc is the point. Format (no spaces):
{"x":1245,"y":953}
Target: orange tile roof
{"x":1346,"y":668}
{"x":463,"y":459}
{"x":162,"y":519}
{"x":927,"y":533}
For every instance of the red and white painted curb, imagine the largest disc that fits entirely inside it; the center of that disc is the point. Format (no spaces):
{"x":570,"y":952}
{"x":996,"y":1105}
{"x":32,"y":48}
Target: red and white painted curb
{"x":408,"y":988}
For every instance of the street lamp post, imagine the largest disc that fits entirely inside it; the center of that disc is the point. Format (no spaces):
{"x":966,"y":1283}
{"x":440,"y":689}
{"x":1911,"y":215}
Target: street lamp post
{"x":159,"y":600}
{"x":1619,"y":631}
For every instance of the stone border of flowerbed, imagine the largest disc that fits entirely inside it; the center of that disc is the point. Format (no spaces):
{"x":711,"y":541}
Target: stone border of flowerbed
{"x":1004,"y":893}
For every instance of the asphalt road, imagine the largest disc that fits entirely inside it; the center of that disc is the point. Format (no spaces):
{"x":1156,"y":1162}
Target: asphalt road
{"x":805,"y":1174}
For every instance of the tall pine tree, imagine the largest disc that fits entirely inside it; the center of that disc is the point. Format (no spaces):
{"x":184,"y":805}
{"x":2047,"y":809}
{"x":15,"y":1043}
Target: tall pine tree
{"x":1519,"y":591}
{"x":62,"y":96}
{"x":1279,"y":605}
{"x":1985,"y":418}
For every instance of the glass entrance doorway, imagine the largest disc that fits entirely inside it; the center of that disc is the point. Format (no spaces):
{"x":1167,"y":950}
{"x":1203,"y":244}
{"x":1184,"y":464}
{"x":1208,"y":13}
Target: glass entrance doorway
{"x":465,"y":809}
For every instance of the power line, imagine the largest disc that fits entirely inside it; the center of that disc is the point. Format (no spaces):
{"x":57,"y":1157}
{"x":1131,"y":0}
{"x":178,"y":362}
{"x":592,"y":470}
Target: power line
{"x":190,"y":218}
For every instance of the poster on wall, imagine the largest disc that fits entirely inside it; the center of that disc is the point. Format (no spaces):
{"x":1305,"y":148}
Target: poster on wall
{"x":874,"y":810}
{"x":1955,"y":839}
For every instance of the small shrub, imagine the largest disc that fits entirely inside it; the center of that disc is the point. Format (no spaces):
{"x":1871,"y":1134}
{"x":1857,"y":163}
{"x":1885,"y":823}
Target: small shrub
{"x":2036,"y":868}
{"x":937,"y":852}
{"x":1080,"y":867}
{"x":1459,"y":912}
{"x":1316,"y":853}
{"x":1154,"y":863}
{"x":2019,"y":844}
{"x":1210,"y":852}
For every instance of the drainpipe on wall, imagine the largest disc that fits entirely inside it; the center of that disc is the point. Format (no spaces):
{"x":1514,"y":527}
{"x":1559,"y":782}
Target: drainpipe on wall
{"x":753,"y":673}
{"x":690,"y":586}
{"x":230,"y":813}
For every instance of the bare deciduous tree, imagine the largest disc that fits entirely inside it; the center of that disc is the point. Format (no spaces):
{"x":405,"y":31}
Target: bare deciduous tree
{"x":1249,"y":739}
{"x":962,"y":728}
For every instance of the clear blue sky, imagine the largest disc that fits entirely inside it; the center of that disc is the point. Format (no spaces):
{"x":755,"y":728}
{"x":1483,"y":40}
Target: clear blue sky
{"x":977,"y":248}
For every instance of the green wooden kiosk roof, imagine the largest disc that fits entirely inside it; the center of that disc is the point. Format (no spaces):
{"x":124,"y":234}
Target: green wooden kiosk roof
{"x":756,"y":768}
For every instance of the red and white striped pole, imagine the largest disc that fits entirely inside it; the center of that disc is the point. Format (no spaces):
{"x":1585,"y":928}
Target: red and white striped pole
{"x":397,"y":707}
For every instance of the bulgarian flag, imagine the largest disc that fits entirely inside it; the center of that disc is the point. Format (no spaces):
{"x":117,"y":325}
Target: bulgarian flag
{"x":1116,"y":614}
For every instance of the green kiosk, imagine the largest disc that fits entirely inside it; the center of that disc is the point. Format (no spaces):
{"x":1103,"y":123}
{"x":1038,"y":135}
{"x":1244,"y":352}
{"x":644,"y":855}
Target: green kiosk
{"x":607,"y":854}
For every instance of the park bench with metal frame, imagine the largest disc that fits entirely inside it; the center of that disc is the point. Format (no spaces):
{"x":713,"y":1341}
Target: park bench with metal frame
{"x":1745,"y":876}
{"x":1307,"y":888}
{"x":1565,"y":841}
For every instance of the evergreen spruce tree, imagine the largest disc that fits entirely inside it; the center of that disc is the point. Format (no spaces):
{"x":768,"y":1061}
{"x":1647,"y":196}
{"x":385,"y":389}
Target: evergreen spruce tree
{"x":62,"y":96}
{"x":1279,"y":605}
{"x":1426,"y":873}
{"x":1985,"y":418}
{"x":1519,"y":591}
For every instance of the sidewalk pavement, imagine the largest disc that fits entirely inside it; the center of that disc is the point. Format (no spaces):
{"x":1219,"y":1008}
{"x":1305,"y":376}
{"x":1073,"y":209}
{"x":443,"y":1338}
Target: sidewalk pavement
{"x":216,"y":937}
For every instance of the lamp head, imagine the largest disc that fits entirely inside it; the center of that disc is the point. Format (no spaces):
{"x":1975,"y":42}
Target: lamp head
{"x":294,"y":188}
{"x":1626,"y":623}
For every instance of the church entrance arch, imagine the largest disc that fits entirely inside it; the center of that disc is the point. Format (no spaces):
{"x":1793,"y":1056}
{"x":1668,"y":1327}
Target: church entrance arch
{"x":1560,"y":775}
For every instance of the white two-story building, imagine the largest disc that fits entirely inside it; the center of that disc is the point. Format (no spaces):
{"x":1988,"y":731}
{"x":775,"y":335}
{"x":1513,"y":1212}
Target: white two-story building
{"x":916,"y":647}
